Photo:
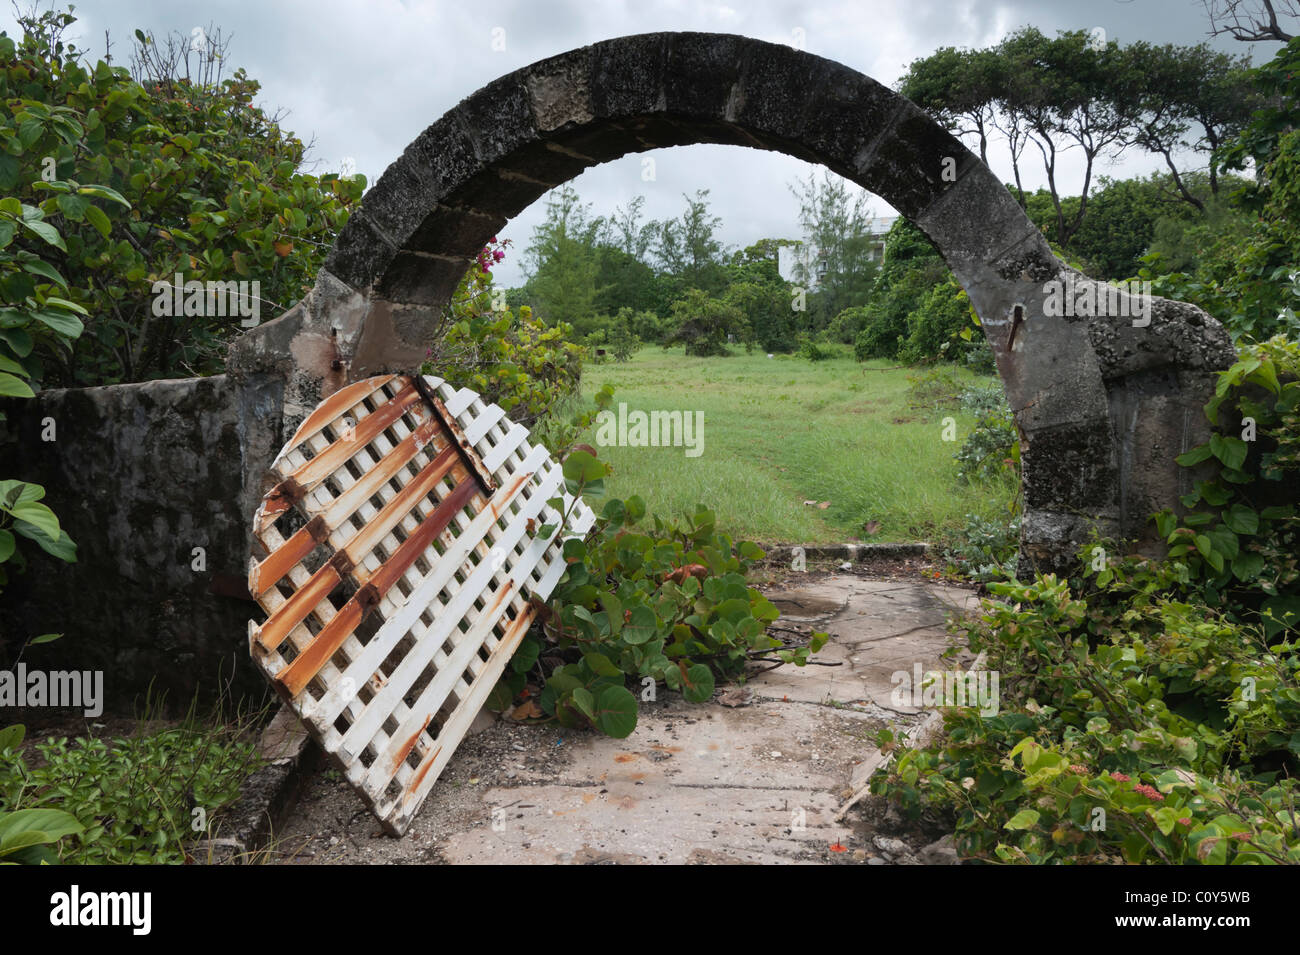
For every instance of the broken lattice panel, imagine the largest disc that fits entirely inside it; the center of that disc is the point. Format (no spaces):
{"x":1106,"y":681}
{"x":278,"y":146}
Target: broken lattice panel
{"x":399,"y":559}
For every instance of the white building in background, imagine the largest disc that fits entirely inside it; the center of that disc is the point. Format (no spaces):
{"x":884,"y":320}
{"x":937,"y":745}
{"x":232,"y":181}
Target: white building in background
{"x":790,"y":257}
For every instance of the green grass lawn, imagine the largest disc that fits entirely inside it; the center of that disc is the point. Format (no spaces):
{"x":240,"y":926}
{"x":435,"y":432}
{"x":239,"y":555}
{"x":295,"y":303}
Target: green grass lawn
{"x":784,"y":430}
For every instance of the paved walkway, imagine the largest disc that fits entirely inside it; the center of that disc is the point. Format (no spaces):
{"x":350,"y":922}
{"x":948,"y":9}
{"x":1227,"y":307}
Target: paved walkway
{"x":756,"y":775}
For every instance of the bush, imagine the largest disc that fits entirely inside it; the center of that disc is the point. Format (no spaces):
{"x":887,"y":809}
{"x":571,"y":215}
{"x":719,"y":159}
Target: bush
{"x":935,"y":325}
{"x":979,"y":357}
{"x":212,"y":191}
{"x":136,"y":800}
{"x":1241,"y":540}
{"x":1150,"y":710}
{"x":707,"y":325}
{"x":847,"y":325}
{"x":663,"y":604}
{"x":509,"y":357}
{"x":985,"y":550}
{"x":810,"y":350}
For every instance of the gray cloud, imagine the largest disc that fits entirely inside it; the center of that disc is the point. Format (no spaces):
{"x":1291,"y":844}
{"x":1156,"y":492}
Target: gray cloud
{"x":363,"y":79}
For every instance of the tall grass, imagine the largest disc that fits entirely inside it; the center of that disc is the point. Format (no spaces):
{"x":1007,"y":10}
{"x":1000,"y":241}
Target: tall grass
{"x":781,"y":431}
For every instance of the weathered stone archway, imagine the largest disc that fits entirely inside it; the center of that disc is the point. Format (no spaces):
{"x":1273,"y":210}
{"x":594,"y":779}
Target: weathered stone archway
{"x":1103,"y":406}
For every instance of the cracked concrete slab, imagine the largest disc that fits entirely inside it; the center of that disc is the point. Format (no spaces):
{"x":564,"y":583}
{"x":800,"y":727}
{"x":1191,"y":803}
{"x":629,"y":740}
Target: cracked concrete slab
{"x":757,"y":781}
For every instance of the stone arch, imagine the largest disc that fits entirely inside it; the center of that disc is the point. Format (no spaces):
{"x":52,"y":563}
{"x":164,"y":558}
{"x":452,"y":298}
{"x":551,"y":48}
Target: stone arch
{"x":1102,"y":406}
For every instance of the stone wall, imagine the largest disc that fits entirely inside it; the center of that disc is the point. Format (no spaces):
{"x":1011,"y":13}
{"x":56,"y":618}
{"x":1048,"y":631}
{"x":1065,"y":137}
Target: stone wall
{"x":140,"y":475}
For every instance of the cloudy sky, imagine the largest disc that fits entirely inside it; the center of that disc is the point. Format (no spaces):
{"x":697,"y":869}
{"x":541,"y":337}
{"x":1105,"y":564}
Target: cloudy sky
{"x":364,"y":77}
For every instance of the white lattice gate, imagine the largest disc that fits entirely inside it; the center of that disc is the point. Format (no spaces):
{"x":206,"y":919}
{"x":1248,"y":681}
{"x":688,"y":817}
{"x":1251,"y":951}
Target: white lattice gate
{"x":400,"y":559}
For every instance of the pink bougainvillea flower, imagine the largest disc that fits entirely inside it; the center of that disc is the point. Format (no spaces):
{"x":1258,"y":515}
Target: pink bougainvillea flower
{"x":1120,"y":777}
{"x":1149,"y":791}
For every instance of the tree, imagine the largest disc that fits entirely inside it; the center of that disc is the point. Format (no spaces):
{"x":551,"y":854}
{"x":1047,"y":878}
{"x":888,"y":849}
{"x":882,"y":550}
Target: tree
{"x":707,"y":325}
{"x":837,"y":228}
{"x":1250,"y":20}
{"x":755,"y":286}
{"x":211,"y":192}
{"x":1070,"y":93}
{"x":687,"y":247}
{"x":624,"y":281}
{"x":625,"y":232}
{"x":960,"y":87}
{"x":561,"y":264}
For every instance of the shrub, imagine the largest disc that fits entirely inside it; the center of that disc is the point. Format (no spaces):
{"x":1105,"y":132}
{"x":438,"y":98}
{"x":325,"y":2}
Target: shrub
{"x":934,"y":327}
{"x":508,"y":356}
{"x":136,"y":800}
{"x":810,"y":350}
{"x":985,"y":549}
{"x":1119,"y":738}
{"x":666,"y":603}
{"x":212,"y":190}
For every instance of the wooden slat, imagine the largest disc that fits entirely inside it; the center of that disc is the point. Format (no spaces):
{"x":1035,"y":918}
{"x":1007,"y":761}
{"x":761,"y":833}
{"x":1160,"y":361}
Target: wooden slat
{"x":300,"y":672}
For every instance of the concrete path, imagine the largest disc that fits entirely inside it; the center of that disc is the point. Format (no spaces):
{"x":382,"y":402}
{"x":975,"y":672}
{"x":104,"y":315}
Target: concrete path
{"x":756,"y":775}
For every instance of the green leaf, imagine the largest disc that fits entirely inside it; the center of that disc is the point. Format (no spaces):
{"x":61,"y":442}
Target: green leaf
{"x":1194,"y":456}
{"x":12,"y":387}
{"x":1231,"y":451}
{"x":11,"y":736}
{"x":526,"y":656}
{"x":44,"y":638}
{"x":96,"y":217}
{"x":19,"y":341}
{"x":45,"y":270}
{"x":601,"y":665}
{"x":50,"y":824}
{"x":37,"y":515}
{"x":1242,"y":519}
{"x":585,"y":701}
{"x":46,"y":232}
{"x":697,"y":686}
{"x":1024,"y":819}
{"x":7,"y":545}
{"x":67,"y":325}
{"x":583,"y":467}
{"x":103,"y":192}
{"x":1247,"y":565}
{"x":60,"y":546}
{"x":616,"y":712}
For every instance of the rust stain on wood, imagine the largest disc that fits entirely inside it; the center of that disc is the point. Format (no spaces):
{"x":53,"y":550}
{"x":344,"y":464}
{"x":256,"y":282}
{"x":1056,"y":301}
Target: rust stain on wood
{"x":452,"y":481}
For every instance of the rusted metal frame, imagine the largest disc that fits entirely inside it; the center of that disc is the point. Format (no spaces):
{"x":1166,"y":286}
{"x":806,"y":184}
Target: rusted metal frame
{"x":336,"y":406}
{"x":338,"y":452}
{"x":324,"y":611}
{"x":303,"y":668}
{"x":390,"y":465}
{"x":485,"y":431}
{"x":328,"y":734}
{"x":398,"y":815}
{"x":323,"y":582}
{"x":266,"y":574}
{"x":403,"y":504}
{"x":472,"y":459}
{"x":418,"y":660}
{"x":433,"y":698}
{"x":426,"y":593}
